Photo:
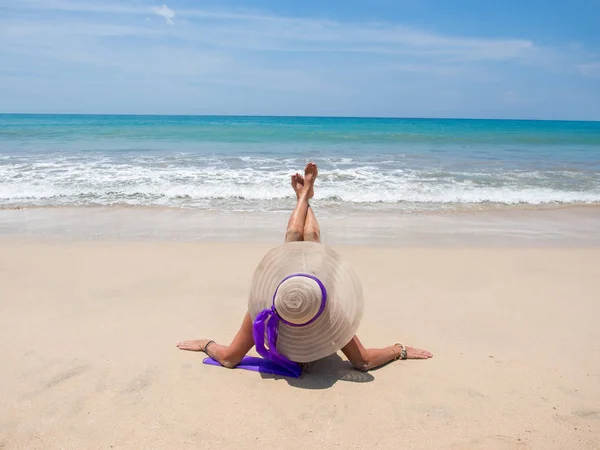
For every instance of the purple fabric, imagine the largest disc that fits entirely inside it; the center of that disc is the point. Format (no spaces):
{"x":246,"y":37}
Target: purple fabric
{"x":257,"y":365}
{"x":269,"y":320}
{"x":267,"y":323}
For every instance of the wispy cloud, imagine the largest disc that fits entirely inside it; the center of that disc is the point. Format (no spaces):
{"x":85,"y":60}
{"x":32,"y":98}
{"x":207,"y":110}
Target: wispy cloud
{"x":267,"y":32}
{"x":338,"y":59}
{"x":408,"y":47}
{"x":166,"y":12}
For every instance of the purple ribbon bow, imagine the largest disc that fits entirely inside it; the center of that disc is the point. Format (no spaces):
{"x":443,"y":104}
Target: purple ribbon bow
{"x":267,"y":323}
{"x":269,"y":319}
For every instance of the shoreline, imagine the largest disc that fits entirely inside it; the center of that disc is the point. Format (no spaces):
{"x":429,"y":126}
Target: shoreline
{"x":452,"y":209}
{"x":553,"y":227}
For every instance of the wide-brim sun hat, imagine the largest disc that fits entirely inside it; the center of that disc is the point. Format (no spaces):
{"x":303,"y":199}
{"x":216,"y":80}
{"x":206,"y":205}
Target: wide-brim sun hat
{"x":305,"y":302}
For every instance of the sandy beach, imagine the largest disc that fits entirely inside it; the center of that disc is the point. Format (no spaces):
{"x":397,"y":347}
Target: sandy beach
{"x":152,"y":153}
{"x":88,"y":332}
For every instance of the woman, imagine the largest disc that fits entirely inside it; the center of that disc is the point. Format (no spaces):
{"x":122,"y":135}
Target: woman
{"x":313,"y":313}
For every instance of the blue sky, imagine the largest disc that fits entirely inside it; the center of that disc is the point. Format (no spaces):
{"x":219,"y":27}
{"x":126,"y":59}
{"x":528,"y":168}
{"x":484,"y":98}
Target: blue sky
{"x":418,"y":58}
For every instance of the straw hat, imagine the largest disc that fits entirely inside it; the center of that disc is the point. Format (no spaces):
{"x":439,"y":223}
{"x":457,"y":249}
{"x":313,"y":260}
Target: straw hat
{"x":316,"y":296}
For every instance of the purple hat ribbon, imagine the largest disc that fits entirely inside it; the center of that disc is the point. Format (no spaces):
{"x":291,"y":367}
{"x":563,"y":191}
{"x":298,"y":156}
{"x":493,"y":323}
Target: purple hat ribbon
{"x":268,"y":320}
{"x":267,"y":323}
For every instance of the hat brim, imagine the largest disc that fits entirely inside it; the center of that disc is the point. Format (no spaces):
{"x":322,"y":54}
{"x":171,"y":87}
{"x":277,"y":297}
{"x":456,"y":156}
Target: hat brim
{"x":338,"y":323}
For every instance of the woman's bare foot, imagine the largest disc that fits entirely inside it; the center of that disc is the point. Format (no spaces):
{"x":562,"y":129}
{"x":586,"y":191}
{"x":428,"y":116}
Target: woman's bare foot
{"x":297,"y":184}
{"x":196,"y":345}
{"x":310,"y":175}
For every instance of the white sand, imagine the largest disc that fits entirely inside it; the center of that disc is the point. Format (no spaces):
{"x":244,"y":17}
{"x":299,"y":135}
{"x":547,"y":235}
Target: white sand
{"x":88,"y":356}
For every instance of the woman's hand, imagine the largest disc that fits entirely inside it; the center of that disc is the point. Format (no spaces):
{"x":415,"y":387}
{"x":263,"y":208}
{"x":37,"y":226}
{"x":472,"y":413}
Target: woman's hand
{"x":417,"y":353}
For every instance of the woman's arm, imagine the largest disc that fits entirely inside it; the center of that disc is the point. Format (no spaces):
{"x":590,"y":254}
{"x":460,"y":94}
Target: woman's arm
{"x":228,"y":355}
{"x":364,"y":359}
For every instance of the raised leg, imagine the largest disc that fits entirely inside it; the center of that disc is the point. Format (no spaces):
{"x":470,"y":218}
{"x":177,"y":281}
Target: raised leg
{"x":228,"y":355}
{"x":304,"y":191}
{"x":365,"y":359}
{"x":312,"y":231}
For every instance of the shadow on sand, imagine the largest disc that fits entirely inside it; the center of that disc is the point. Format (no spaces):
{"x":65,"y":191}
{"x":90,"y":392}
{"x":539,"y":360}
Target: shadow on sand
{"x":324,"y":373}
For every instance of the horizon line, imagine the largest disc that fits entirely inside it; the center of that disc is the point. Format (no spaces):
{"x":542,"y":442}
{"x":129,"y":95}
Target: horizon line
{"x":292,"y":116}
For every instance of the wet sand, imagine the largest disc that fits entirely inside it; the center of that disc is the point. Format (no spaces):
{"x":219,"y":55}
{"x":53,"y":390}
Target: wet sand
{"x":505,"y":227}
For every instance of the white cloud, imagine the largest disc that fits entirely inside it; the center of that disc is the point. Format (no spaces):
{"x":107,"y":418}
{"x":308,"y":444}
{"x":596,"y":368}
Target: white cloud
{"x":166,"y":12}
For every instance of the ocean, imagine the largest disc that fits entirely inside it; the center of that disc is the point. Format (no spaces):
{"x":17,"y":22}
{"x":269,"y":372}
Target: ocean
{"x":218,"y":163}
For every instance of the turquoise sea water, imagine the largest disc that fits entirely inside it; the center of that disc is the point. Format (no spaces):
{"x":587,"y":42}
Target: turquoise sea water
{"x":244,"y":163}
